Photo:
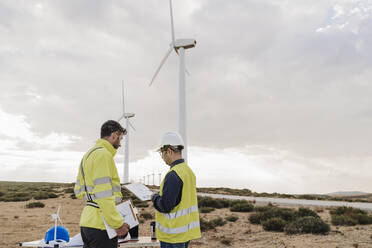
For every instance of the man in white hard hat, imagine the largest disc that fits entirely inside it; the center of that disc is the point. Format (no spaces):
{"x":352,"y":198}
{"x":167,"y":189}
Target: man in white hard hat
{"x":177,"y":214}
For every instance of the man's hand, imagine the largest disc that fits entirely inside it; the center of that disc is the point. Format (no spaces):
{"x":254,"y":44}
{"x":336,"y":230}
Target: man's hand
{"x":123,"y":230}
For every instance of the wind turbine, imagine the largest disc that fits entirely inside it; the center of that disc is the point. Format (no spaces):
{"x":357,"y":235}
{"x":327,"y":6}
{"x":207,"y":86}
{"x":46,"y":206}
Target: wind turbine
{"x":128,"y":125}
{"x":179,"y":46}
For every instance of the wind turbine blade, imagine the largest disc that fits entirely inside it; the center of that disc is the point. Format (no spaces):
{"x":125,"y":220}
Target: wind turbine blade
{"x":161,"y":64}
{"x":172,"y":25}
{"x":130,"y":124}
{"x":187,"y":72}
{"x":59,"y":207}
{"x":122,"y":95}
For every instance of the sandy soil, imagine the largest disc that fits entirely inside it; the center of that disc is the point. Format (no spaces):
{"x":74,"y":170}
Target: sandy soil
{"x":19,"y":224}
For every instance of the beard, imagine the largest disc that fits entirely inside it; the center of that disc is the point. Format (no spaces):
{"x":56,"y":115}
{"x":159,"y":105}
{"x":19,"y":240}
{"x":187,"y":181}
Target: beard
{"x":116,"y":143}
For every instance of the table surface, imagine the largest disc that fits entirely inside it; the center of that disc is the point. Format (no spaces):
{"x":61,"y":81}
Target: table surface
{"x":141,"y":242}
{"x":145,"y":241}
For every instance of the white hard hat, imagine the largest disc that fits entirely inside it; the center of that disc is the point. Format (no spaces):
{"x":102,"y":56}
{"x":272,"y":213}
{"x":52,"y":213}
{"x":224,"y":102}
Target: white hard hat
{"x":171,"y":139}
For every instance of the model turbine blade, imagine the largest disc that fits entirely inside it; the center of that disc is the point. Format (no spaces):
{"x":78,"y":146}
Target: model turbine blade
{"x":161,"y":64}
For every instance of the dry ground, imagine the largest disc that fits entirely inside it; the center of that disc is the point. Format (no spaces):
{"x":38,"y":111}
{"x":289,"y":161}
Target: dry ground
{"x":19,"y":224}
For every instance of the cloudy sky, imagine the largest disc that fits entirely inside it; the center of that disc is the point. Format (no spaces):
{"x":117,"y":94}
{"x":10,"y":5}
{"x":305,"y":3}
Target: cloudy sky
{"x":279,"y":98}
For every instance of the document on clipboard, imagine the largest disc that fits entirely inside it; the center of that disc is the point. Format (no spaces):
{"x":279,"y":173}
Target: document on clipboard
{"x":129,"y":215}
{"x":141,"y":191}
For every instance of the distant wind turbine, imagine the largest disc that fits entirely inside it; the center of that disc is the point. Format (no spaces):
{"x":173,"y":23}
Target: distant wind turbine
{"x":128,"y":125}
{"x":179,"y":46}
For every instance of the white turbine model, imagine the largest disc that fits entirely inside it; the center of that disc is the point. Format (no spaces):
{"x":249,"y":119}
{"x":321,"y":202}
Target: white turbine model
{"x":128,"y":124}
{"x":56,"y":218}
{"x":179,"y":46}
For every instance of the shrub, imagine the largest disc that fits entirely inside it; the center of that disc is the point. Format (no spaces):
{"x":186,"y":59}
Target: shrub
{"x":262,"y":208}
{"x":206,"y":209}
{"x":1,"y":193}
{"x":302,"y":212}
{"x":283,"y":213}
{"x":242,"y":207}
{"x":364,"y":219}
{"x":346,"y":210}
{"x":69,"y":190}
{"x":232,"y":218}
{"x":343,"y":220}
{"x":218,"y":221}
{"x":146,"y":215}
{"x":226,"y":241}
{"x":274,"y":224}
{"x":206,"y":225}
{"x":44,"y":195}
{"x":35,"y":205}
{"x":73,"y":196}
{"x":255,"y":218}
{"x":307,"y":224}
{"x":210,"y":202}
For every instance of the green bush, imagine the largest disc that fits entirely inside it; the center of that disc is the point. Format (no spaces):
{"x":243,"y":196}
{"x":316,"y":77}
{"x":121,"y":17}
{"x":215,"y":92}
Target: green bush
{"x":343,"y":220}
{"x":286,"y":214}
{"x":35,"y":205}
{"x":364,"y":219}
{"x":206,"y":209}
{"x":42,"y":195}
{"x":1,"y":193}
{"x":303,"y":212}
{"x":242,"y":207}
{"x":262,"y":208}
{"x":210,"y":202}
{"x":226,"y":241}
{"x":73,"y":196}
{"x":206,"y":225}
{"x":232,"y":218}
{"x":307,"y":224}
{"x":69,"y":190}
{"x":274,"y":224}
{"x":218,"y":221}
{"x":346,"y":210}
{"x":255,"y":218}
{"x":146,"y":215}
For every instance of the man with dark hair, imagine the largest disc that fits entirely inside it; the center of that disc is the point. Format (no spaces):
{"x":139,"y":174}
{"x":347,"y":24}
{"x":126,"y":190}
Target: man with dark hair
{"x":98,"y":184}
{"x":176,"y":215}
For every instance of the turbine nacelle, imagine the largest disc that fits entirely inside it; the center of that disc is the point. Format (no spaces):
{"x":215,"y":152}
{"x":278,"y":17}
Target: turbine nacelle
{"x":184,"y":43}
{"x":128,"y":115}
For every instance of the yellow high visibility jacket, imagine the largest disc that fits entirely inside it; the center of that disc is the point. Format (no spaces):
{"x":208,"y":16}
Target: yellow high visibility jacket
{"x":182,"y":223}
{"x":103,"y":185}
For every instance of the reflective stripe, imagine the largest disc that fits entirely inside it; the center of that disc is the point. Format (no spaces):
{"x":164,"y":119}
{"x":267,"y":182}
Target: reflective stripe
{"x":99,"y":195}
{"x":117,"y":199}
{"x":180,"y":213}
{"x":116,"y":188}
{"x":177,"y":230}
{"x":102,"y":180}
{"x":78,"y":191}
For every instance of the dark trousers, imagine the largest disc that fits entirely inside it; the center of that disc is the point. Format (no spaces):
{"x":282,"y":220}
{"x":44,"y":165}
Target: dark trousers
{"x":95,"y":238}
{"x":176,"y":245}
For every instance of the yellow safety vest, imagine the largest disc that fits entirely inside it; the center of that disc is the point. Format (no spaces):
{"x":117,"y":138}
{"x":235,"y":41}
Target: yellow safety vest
{"x":182,"y":223}
{"x":103,"y":186}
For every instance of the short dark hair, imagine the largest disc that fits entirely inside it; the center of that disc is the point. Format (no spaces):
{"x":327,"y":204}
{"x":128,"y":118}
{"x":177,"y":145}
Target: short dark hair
{"x":111,"y":126}
{"x":176,"y":149}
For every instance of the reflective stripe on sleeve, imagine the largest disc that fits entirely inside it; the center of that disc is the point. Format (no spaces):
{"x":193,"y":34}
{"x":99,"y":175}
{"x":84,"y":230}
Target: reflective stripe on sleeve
{"x":102,"y":180}
{"x":117,"y":199}
{"x":180,"y":213}
{"x":116,"y":188}
{"x":99,"y":195}
{"x":177,"y":230}
{"x":78,"y":191}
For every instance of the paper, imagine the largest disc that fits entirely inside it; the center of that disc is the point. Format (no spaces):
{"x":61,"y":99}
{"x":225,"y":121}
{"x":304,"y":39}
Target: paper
{"x":140,"y":190}
{"x":127,"y":211}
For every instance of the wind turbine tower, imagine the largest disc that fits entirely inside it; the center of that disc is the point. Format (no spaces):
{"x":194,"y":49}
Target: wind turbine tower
{"x":179,"y":46}
{"x":128,"y":125}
